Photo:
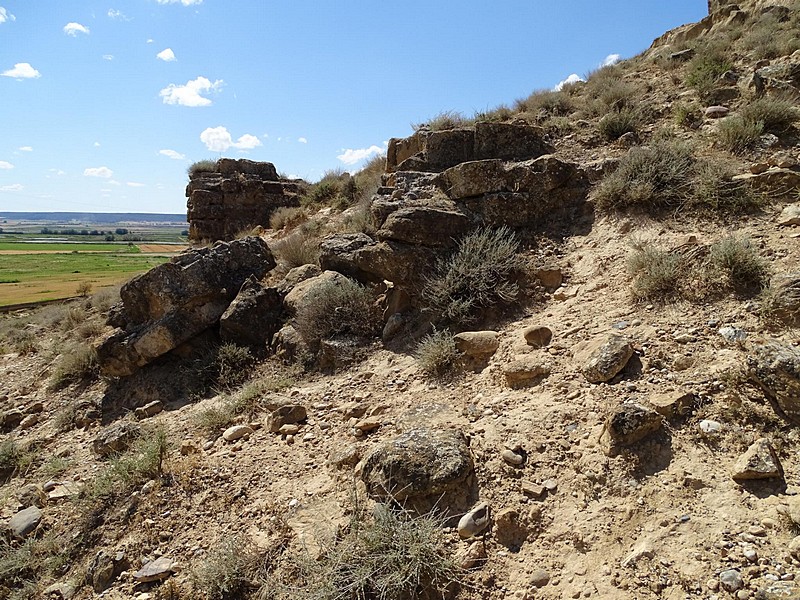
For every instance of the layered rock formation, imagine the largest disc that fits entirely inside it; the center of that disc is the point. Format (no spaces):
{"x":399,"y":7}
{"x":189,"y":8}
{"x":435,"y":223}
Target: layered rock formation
{"x":176,"y":301}
{"x":239,"y":195}
{"x":440,"y":185}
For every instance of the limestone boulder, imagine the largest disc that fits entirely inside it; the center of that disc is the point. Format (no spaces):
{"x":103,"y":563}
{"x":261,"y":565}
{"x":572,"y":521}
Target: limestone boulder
{"x":790,"y":215}
{"x":477,"y":344}
{"x":176,"y":301}
{"x":253,"y":317}
{"x":760,"y":461}
{"x":115,"y":438}
{"x":784,"y":299}
{"x":628,"y":424}
{"x":422,"y":467}
{"x":25,"y":522}
{"x":776,"y":369}
{"x":510,"y":141}
{"x":776,"y":181}
{"x":300,"y":294}
{"x":425,"y":225}
{"x":604,"y":357}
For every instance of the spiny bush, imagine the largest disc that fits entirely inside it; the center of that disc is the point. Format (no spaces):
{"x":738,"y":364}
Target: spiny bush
{"x":737,"y":259}
{"x":229,"y":570}
{"x":687,"y":115}
{"x":202,"y":166}
{"x":24,"y":567}
{"x":656,"y":272}
{"x":548,"y":102}
{"x":654,"y":176}
{"x":706,"y":68}
{"x":232,"y":365}
{"x":287,"y":216}
{"x":666,"y":175}
{"x":391,"y":556}
{"x":297,"y":249}
{"x":776,"y":113}
{"x":736,"y":134}
{"x":496,"y":115}
{"x":437,"y":354}
{"x":77,"y":363}
{"x":338,"y":308}
{"x":615,"y":124}
{"x":480,"y":273}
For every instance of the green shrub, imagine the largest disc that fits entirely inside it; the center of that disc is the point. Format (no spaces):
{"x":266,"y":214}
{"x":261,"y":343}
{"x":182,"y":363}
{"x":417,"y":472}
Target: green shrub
{"x":297,"y":249}
{"x":715,"y":189}
{"x":437,"y":354}
{"x":705,"y":69}
{"x":776,"y":114}
{"x":656,"y":273}
{"x":736,"y":134}
{"x":338,"y":308}
{"x":142,"y":462}
{"x":687,"y":115}
{"x":740,"y":263}
{"x":480,"y":273}
{"x":617,"y":123}
{"x":78,"y":363}
{"x":495,"y":115}
{"x":14,"y":459}
{"x":202,"y":166}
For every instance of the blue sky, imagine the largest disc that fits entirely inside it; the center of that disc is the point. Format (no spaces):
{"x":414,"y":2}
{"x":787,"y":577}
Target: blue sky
{"x":106,"y":103}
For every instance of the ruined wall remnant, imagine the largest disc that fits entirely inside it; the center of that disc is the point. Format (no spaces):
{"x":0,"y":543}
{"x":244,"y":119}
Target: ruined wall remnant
{"x":238,"y":195}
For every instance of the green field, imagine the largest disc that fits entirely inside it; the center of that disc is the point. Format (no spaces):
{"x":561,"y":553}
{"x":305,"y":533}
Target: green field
{"x":66,"y":247}
{"x":36,"y":277}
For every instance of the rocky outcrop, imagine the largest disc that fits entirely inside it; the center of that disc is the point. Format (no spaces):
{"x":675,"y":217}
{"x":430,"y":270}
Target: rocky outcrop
{"x":776,"y":369}
{"x":176,"y":301}
{"x":253,"y":317}
{"x":421,"y":468}
{"x":440,"y":185}
{"x":237,"y":196}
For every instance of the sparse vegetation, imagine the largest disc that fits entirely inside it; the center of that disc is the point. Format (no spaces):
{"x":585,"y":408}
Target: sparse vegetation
{"x":338,"y":308}
{"x":392,"y":555}
{"x":202,"y":166}
{"x":776,"y":113}
{"x":737,"y":134}
{"x":124,"y":473}
{"x":83,"y":289}
{"x":229,"y":571}
{"x":738,"y":261}
{"x":14,"y":459}
{"x":78,"y":363}
{"x":436,"y":353}
{"x":297,"y":249}
{"x":444,"y":120}
{"x":666,"y":175}
{"x":656,"y":272}
{"x":548,"y":103}
{"x":287,"y":217}
{"x":708,"y":65}
{"x":232,"y":364}
{"x":481,"y":272}
{"x":615,"y":124}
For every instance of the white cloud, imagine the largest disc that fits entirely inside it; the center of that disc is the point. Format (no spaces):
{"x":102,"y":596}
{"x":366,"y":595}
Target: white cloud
{"x":108,"y":57}
{"x":574,"y":78}
{"x":102,"y":172}
{"x":611,"y":59}
{"x":352,"y":156}
{"x":218,"y":139}
{"x":25,"y":149}
{"x":6,"y":16}
{"x":134,"y":184}
{"x":22,"y":71}
{"x":14,"y":187}
{"x":302,"y":140}
{"x":58,"y":172}
{"x":117,"y":14}
{"x":190,"y":94}
{"x":167,"y":55}
{"x":74,"y":29}
{"x":150,"y":40}
{"x":5,"y":165}
{"x":96,"y":144}
{"x":172,"y":154}
{"x":184,"y":2}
